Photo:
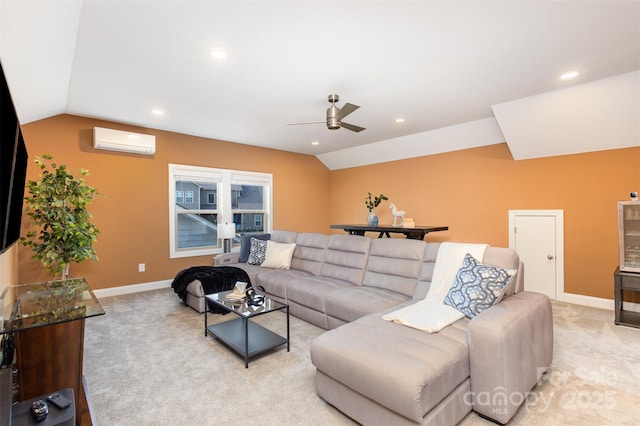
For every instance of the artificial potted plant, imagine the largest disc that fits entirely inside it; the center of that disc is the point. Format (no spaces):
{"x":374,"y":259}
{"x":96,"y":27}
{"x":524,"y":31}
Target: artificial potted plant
{"x":372,"y":203}
{"x":57,"y":205}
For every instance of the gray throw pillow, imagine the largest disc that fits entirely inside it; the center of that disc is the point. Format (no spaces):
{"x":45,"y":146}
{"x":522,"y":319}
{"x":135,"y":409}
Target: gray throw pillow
{"x":477,"y":287}
{"x":245,"y":244}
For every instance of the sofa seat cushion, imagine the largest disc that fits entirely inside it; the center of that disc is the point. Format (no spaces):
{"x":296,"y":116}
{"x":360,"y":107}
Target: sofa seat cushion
{"x":251,"y":270}
{"x":313,"y":291}
{"x":275,"y":281}
{"x":349,"y":304}
{"x":403,"y":369}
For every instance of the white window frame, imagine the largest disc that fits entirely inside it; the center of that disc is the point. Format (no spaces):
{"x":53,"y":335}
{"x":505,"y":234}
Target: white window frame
{"x":224,"y":179}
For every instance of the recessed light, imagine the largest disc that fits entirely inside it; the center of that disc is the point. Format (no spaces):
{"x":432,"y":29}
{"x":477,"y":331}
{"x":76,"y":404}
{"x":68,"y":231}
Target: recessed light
{"x":315,"y":143}
{"x":399,"y":120}
{"x":218,"y":53}
{"x":157,"y":111}
{"x":569,"y":75}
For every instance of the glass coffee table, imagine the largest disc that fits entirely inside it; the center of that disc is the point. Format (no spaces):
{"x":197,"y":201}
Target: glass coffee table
{"x":243,"y":336}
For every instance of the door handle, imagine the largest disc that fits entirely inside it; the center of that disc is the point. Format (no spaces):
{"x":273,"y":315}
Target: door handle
{"x":550,"y":256}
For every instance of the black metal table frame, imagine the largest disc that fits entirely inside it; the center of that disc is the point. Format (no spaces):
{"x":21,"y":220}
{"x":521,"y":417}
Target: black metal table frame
{"x":226,"y":331}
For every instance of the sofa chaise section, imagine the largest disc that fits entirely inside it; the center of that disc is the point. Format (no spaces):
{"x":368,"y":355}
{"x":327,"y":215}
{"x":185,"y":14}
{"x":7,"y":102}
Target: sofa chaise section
{"x":380,"y":372}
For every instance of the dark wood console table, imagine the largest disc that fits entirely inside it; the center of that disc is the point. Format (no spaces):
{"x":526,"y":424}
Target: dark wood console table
{"x":47,"y":322}
{"x":414,"y":233}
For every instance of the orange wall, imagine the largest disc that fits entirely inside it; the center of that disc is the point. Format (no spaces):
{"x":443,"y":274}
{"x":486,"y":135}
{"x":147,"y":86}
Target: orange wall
{"x":472,"y":190}
{"x":133,"y":215}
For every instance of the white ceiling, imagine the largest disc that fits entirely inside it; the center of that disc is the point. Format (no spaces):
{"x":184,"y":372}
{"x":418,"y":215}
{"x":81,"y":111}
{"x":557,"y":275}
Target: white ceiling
{"x":434,"y":63}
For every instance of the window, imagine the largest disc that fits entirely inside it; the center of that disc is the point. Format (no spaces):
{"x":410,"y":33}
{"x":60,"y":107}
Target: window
{"x":205,"y":197}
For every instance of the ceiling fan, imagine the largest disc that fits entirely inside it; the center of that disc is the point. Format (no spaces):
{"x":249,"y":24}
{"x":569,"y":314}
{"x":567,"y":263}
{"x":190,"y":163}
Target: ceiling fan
{"x":335,"y":116}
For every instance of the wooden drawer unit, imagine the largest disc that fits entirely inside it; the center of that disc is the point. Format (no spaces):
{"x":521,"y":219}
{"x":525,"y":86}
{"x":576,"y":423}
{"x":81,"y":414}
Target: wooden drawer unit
{"x":625,"y":281}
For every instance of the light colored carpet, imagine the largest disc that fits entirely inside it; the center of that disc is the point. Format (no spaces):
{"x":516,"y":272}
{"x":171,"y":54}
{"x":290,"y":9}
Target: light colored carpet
{"x":147,"y":362}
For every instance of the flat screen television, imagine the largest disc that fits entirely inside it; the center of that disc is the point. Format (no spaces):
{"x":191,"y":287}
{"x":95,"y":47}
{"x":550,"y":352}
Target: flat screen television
{"x":13,"y":168}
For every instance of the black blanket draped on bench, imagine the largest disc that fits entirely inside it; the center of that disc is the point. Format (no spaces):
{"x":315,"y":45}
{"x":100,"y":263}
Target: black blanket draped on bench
{"x":214,"y":279}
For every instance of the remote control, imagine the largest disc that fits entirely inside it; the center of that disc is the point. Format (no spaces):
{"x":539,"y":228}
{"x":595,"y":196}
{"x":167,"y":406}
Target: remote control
{"x":39,"y":409}
{"x":59,"y":400}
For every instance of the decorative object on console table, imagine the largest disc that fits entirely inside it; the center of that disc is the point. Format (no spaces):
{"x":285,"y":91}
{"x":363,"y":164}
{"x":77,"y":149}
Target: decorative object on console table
{"x":372,"y":203}
{"x":408,"y":222}
{"x":57,"y":205}
{"x":396,"y":214}
{"x":226,"y":231}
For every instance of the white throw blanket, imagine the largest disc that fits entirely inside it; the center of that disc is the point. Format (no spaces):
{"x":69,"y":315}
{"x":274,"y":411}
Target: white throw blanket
{"x":431,"y":314}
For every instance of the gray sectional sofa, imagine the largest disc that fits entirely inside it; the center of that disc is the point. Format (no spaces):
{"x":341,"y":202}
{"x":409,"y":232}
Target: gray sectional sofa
{"x":382,"y":372}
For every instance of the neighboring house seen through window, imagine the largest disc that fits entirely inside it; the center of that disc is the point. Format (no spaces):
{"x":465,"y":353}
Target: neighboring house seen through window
{"x":205,"y":197}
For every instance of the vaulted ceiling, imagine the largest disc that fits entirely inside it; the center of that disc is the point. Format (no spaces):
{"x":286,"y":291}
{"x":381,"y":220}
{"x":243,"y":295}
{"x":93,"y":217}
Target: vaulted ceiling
{"x":435,"y":64}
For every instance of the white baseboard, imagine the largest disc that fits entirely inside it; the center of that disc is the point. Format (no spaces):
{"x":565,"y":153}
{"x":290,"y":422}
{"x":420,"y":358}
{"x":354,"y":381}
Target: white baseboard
{"x":133,"y":288}
{"x":598,"y":302}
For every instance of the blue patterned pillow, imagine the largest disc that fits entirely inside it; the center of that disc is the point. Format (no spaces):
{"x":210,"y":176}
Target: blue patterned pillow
{"x":477,"y":287}
{"x":257,"y":252}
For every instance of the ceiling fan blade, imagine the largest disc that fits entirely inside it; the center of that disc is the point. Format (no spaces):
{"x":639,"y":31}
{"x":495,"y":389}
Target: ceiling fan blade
{"x":307,"y":122}
{"x":346,"y":110}
{"x":352,"y":127}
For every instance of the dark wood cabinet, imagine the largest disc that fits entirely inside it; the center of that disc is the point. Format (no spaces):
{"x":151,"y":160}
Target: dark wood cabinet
{"x":625,"y":282}
{"x":50,"y":358}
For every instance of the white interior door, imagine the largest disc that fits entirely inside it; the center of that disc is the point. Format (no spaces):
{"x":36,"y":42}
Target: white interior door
{"x":537,"y":236}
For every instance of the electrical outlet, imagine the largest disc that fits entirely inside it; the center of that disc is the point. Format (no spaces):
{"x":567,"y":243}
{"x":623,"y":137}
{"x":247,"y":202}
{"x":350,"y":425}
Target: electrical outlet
{"x":141,"y":267}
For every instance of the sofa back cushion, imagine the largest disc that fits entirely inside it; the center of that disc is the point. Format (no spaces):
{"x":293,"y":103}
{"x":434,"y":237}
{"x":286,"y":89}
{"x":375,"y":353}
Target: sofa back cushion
{"x":346,"y":257}
{"x":426,"y":271}
{"x":508,"y":259}
{"x":280,"y":236}
{"x":394,"y":264}
{"x":495,"y":256}
{"x":309,"y":253}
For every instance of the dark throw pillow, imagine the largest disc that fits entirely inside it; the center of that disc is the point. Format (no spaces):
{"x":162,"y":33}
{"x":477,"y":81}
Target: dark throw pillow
{"x":245,"y":244}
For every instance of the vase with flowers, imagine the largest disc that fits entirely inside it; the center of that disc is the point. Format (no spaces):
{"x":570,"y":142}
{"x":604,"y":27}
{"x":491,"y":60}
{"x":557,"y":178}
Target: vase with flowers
{"x":372,"y":202}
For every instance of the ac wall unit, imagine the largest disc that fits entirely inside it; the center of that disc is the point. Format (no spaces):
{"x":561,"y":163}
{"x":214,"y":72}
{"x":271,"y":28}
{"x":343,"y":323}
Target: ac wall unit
{"x":117,"y":140}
